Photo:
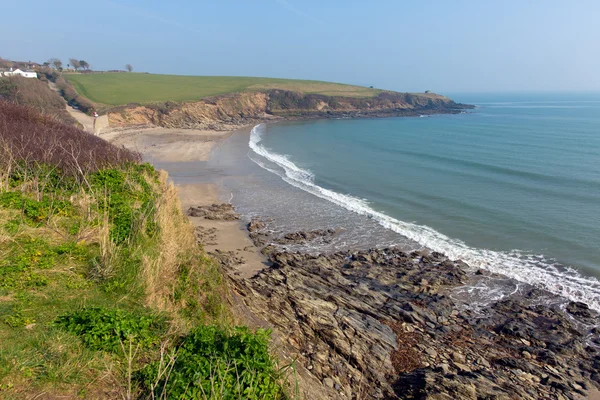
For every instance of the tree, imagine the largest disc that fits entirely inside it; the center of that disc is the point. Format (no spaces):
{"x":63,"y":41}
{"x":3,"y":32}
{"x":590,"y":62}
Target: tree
{"x":128,"y":67}
{"x":56,"y":63}
{"x":75,"y":63}
{"x":84,"y":64}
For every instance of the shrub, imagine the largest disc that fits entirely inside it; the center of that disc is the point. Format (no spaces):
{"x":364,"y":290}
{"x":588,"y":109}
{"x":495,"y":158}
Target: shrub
{"x":213,"y":363}
{"x":72,"y":97}
{"x":106,"y":329}
{"x":36,"y":94}
{"x":29,"y":139}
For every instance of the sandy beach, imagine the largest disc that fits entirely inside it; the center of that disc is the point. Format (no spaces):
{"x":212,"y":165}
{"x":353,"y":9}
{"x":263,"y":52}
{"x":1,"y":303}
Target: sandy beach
{"x":180,"y":146}
{"x":167,"y":145}
{"x":225,"y":236}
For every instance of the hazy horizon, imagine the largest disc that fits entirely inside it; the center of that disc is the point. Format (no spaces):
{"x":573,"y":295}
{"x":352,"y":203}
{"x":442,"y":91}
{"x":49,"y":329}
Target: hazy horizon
{"x":458,"y":47}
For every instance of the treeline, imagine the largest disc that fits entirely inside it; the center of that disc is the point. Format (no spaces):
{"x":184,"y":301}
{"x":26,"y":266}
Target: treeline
{"x":74,"y":63}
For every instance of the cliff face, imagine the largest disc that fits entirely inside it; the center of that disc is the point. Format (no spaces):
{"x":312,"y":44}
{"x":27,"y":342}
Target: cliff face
{"x":230,"y":111}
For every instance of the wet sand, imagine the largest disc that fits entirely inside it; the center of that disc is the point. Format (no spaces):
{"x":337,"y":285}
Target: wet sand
{"x":228,"y":235}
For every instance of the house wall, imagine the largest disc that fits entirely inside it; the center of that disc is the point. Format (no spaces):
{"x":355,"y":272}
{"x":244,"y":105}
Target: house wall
{"x":19,"y":73}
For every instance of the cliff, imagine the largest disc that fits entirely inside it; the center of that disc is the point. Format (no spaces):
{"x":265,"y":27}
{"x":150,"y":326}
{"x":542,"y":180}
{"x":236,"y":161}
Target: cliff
{"x":230,"y":111}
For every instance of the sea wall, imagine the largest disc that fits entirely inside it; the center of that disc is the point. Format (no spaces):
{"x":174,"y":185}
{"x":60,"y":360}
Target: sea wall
{"x":100,"y":123}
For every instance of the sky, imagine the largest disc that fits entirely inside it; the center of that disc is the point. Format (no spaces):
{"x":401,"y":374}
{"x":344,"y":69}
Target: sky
{"x":405,"y":45}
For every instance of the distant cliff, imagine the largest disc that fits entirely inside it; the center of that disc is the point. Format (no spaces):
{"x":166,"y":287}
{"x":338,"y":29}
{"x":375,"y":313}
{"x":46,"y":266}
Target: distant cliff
{"x":229,"y":111}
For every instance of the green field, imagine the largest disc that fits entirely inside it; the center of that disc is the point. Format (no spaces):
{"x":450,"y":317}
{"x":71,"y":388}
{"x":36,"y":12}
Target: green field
{"x":124,"y":88}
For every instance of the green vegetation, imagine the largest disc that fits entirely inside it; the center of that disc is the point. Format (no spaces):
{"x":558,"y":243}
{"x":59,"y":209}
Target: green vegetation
{"x":124,"y":88}
{"x":104,"y":292}
{"x":214,"y":363}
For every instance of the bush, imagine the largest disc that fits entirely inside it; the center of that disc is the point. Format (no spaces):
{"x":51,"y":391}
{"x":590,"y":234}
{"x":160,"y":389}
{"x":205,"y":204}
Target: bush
{"x":106,"y":329}
{"x":35,"y":94}
{"x":72,"y":97}
{"x":213,"y":363}
{"x":29,"y":139}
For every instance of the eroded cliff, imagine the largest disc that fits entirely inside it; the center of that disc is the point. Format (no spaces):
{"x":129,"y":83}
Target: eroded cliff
{"x":231,"y":111}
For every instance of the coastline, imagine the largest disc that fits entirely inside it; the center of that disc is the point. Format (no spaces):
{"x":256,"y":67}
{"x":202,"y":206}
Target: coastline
{"x":310,"y":312}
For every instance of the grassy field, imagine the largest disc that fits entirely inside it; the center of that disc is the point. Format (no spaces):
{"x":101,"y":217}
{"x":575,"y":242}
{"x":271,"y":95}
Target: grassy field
{"x":124,"y":88}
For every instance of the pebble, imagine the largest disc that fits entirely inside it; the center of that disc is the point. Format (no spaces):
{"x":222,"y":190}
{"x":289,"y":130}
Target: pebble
{"x":576,"y":386}
{"x":456,"y":356}
{"x":462,"y":367}
{"x":328,"y":382}
{"x":431,"y":352}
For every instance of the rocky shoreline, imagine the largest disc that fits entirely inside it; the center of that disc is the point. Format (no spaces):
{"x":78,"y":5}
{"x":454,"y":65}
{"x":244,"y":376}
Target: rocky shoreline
{"x":234,"y":111}
{"x":382,"y":324}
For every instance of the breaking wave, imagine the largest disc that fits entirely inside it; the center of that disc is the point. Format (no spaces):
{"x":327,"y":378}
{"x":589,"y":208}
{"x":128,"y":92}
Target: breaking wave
{"x":528,"y":268}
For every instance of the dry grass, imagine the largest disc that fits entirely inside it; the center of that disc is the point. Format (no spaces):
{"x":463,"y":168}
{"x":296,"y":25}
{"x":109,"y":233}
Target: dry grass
{"x":176,"y":241}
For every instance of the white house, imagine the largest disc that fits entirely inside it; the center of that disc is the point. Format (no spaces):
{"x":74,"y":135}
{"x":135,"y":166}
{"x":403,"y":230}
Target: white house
{"x":18,"y":72}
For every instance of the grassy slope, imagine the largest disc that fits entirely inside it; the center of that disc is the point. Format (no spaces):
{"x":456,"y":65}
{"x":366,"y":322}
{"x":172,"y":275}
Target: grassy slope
{"x":123,"y":88}
{"x":86,"y":259}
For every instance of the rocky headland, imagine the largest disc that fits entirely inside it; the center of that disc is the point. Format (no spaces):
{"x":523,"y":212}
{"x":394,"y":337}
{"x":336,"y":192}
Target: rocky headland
{"x":384,"y":324}
{"x":232,"y":111}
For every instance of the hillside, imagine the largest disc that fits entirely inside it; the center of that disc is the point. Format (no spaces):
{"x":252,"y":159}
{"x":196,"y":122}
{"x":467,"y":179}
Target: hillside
{"x":35,"y":94}
{"x":124,"y":88}
{"x":104,"y":290}
{"x":225,"y":103}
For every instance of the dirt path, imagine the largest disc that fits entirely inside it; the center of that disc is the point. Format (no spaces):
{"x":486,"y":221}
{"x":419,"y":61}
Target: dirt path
{"x":82,"y":118}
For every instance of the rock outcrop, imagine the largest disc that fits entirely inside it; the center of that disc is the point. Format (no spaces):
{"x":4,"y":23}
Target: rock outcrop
{"x":228,"y":112}
{"x":223,"y":212}
{"x":382,"y":324}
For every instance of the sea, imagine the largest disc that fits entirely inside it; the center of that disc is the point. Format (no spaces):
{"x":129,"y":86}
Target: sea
{"x":511,"y":187}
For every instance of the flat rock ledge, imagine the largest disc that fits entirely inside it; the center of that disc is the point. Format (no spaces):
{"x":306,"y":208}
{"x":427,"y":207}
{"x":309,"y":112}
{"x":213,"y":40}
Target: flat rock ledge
{"x":219,"y":212}
{"x":380,"y":324}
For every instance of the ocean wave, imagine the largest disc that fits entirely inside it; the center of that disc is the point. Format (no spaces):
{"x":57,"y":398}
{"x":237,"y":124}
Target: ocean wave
{"x":528,"y":268}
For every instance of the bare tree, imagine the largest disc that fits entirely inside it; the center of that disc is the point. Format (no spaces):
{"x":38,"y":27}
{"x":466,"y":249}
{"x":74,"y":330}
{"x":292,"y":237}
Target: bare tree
{"x":75,"y":63}
{"x":84,"y":64}
{"x":56,"y":63}
{"x":128,"y":67}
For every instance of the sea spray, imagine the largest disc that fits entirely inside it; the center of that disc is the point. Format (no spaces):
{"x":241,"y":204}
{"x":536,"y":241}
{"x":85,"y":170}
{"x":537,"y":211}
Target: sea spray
{"x":528,"y":268}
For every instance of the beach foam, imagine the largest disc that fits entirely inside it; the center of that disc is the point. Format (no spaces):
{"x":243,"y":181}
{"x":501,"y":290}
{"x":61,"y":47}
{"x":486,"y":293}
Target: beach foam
{"x":528,"y":268}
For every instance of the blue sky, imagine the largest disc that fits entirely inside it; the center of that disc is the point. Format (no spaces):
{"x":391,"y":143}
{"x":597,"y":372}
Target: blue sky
{"x":445,"y":46}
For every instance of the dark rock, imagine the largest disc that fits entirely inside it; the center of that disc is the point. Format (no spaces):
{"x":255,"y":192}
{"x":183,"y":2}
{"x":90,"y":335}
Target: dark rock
{"x":580,"y":309}
{"x":256,"y":224}
{"x":303,"y":237}
{"x":224,"y":212}
{"x":383,"y":320}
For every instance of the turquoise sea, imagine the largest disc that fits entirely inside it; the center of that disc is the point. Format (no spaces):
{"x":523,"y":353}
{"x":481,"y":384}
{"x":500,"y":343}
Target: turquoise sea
{"x":512,"y":186}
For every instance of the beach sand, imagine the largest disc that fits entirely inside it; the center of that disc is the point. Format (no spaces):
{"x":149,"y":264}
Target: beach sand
{"x":228,"y":235}
{"x":172,"y":146}
{"x":167,"y":145}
